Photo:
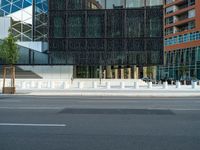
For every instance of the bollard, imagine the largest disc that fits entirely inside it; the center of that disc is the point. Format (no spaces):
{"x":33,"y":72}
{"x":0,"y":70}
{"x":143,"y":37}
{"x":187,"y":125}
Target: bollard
{"x":178,"y":84}
{"x":108,"y":85}
{"x":80,"y":85}
{"x":94,"y":85}
{"x":52,"y":85}
{"x":149,"y":85}
{"x":65,"y":85}
{"x":165,"y":85}
{"x":39,"y":84}
{"x":136,"y":85}
{"x":194,"y":84}
{"x":23,"y":85}
{"x":122,"y":85}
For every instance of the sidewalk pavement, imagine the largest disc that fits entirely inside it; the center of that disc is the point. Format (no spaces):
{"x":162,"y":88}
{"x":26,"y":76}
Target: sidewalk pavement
{"x":158,"y":92}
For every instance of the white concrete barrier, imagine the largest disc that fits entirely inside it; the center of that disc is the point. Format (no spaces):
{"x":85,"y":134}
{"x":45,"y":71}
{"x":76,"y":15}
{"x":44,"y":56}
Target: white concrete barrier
{"x":52,"y":84}
{"x":136,"y":85}
{"x":65,"y":85}
{"x":150,"y":85}
{"x":80,"y":85}
{"x":178,"y":84}
{"x":94,"y":84}
{"x":108,"y":85}
{"x":165,"y":85}
{"x":122,"y":85}
{"x":194,"y":84}
{"x":39,"y":84}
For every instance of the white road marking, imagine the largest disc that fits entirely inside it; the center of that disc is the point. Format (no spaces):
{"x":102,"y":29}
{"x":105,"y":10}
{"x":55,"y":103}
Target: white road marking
{"x":33,"y":125}
{"x":40,"y":108}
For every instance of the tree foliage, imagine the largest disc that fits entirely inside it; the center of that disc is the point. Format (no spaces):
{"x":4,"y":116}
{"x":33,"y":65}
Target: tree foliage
{"x":9,"y":51}
{"x":150,"y":71}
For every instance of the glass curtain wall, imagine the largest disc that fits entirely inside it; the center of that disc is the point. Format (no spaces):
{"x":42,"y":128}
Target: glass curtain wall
{"x":104,"y":32}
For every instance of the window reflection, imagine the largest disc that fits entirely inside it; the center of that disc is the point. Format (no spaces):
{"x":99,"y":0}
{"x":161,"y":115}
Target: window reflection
{"x":75,"y":4}
{"x":134,"y":3}
{"x":154,"y":2}
{"x":76,"y":25}
{"x":114,"y":4}
{"x":96,"y":4}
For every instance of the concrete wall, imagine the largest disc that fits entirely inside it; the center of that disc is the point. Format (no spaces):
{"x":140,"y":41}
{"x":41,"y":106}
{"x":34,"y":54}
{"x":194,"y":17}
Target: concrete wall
{"x":5,"y":23}
{"x":51,"y":72}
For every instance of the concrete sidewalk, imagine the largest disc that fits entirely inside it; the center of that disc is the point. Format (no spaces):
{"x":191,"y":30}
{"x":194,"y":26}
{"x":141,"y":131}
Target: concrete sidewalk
{"x":115,"y":92}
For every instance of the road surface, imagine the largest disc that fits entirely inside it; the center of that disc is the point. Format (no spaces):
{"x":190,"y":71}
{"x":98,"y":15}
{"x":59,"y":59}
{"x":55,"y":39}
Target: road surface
{"x":99,"y":123}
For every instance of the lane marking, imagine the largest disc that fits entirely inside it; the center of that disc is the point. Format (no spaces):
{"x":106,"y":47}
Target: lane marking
{"x":37,"y":108}
{"x":33,"y":125}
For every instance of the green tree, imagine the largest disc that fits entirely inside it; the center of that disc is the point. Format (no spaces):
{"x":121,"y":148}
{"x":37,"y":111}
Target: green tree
{"x":183,"y":70}
{"x":9,"y":55}
{"x":150,"y":71}
{"x":9,"y":52}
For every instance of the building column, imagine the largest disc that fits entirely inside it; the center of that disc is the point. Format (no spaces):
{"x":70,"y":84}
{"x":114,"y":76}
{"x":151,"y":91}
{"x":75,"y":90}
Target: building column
{"x":129,"y":73}
{"x":104,"y":73}
{"x":154,"y":72}
{"x":100,"y":72}
{"x":122,"y":73}
{"x":144,"y":71}
{"x":135,"y":72}
{"x":108,"y":72}
{"x":116,"y":72}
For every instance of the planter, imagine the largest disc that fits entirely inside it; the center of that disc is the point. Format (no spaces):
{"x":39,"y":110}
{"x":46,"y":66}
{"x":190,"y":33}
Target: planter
{"x":8,"y":90}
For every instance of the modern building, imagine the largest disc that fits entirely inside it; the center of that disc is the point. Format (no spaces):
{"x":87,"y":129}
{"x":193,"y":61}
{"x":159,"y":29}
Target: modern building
{"x":182,"y":40}
{"x":97,"y":38}
{"x":114,"y":37}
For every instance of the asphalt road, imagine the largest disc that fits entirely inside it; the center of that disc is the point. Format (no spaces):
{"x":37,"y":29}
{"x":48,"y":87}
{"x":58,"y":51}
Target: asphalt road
{"x":99,"y":123}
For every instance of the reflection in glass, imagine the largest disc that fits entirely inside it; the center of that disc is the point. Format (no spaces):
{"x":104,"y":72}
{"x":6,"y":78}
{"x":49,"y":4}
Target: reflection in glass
{"x":114,"y":4}
{"x":96,"y":4}
{"x":95,"y":26}
{"x":135,"y":23}
{"x":154,"y":23}
{"x":76,"y":25}
{"x":154,"y":2}
{"x":58,"y":24}
{"x":75,"y":4}
{"x":115,"y":21}
{"x":134,"y":3}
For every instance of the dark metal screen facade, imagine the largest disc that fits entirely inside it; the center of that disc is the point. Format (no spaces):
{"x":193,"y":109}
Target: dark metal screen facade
{"x":93,"y":32}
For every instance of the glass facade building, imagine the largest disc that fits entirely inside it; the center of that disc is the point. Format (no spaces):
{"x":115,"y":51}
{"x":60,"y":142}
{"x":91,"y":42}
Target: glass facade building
{"x":182,"y":40}
{"x":28,"y":24}
{"x":29,"y":18}
{"x":106,"y":32}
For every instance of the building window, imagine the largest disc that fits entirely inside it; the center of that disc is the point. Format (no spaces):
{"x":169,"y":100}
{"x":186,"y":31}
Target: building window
{"x":169,"y":20}
{"x":191,"y":2}
{"x":134,"y":3}
{"x":75,"y":4}
{"x":135,"y":23}
{"x":154,"y":2}
{"x":115,"y":24}
{"x":169,"y":31}
{"x":95,"y":26}
{"x":191,"y":13}
{"x":114,"y":4}
{"x":169,"y":10}
{"x":191,"y":25}
{"x":96,"y":4}
{"x":183,"y":38}
{"x":169,"y":1}
{"x":58,"y":27}
{"x":75,"y":25}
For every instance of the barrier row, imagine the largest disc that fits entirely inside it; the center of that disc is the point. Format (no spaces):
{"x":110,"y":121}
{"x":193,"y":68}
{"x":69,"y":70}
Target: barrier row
{"x":81,"y":85}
